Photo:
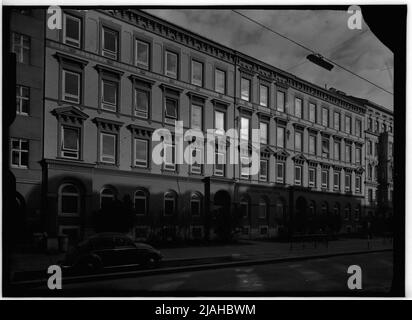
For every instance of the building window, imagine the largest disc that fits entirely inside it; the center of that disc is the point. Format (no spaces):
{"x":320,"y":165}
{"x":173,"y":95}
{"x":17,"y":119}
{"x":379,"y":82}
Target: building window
{"x":22,"y":100}
{"x":108,"y":146}
{"x":325,"y":178}
{"x":370,"y":172}
{"x":195,"y":205}
{"x":244,"y":167}
{"x":70,"y":144}
{"x":244,"y":129}
{"x":110,"y":43}
{"x":107,"y":196}
{"x":219,"y":122}
{"x":376,"y":173}
{"x":348,"y":124}
{"x":264,"y":95}
{"x":370,"y":124}
{"x":358,"y":155}
{"x":324,"y":209}
{"x":347,"y":212}
{"x":356,"y":214}
{"x":358,"y":128}
{"x":280,"y":101}
{"x":336,"y":150}
{"x":263,"y":172}
{"x":280,"y":137}
{"x":312,"y":177}
{"x":263,"y":208}
{"x":142,"y":54}
{"x":369,"y":147}
{"x":263,"y":126}
{"x":377,"y":126}
{"x":71,"y":84}
{"x":348,"y":183}
{"x":220,"y":81}
{"x":280,"y":172}
{"x":169,"y":160}
{"x":109,"y":95}
{"x":197,"y":73}
{"x":376,"y":149}
{"x":169,"y":204}
{"x":141,"y":153}
{"x":298,"y":175}
{"x":298,"y":108}
{"x":69,"y":200}
{"x":171,"y":110}
{"x":21,"y":47}
{"x":72,"y":30}
{"x":19,"y":153}
{"x":196,"y":117}
{"x":245,"y":89}
{"x":325,"y":147}
{"x":244,"y":207}
{"x":141,"y":103}
{"x":171,"y":64}
{"x":298,"y":141}
{"x":312,"y":144}
{"x":383,"y":127}
{"x":312,"y":112}
{"x":370,"y":195}
{"x":336,"y":120}
{"x":358,"y":188}
{"x":140,"y":202}
{"x":196,"y":155}
{"x":325,"y":117}
{"x":220,"y":160}
{"x":336,"y":180}
{"x":348,"y":153}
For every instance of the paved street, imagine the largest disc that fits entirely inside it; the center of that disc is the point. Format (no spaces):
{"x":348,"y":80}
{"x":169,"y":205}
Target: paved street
{"x":318,"y":275}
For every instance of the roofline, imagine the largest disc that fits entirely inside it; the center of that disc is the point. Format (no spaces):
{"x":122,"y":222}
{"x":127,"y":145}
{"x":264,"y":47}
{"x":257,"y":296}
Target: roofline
{"x":372,"y":104}
{"x":234,"y":53}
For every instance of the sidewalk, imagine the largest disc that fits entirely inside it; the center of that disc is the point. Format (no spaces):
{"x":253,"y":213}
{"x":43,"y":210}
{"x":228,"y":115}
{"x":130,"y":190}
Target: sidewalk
{"x":243,"y":250}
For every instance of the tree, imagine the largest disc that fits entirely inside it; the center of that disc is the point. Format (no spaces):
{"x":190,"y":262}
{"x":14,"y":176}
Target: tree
{"x":115,"y":216}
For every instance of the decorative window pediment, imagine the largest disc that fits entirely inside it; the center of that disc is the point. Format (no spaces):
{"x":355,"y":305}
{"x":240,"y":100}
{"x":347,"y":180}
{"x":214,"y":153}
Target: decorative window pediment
{"x":108,"y":125}
{"x":70,"y":114}
{"x":281,"y":120}
{"x":325,"y":165}
{"x":281,"y":155}
{"x":312,"y":164}
{"x":299,"y":126}
{"x":137,"y":79}
{"x":266,"y":152}
{"x":70,"y":59}
{"x":299,"y":159}
{"x":140,"y":131}
{"x":114,"y":72}
{"x":359,"y":170}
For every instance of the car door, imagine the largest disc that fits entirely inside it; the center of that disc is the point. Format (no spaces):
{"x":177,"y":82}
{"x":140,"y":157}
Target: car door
{"x":125,"y":251}
{"x":104,"y":249}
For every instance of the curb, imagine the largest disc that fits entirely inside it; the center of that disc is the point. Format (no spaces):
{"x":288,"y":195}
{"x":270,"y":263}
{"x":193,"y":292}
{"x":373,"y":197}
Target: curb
{"x":161,"y":271}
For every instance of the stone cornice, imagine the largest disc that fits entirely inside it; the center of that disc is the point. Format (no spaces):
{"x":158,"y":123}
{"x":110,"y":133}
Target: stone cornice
{"x":172,"y":32}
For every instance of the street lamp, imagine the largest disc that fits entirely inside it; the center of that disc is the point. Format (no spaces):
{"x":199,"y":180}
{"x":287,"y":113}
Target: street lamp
{"x":320,"y":61}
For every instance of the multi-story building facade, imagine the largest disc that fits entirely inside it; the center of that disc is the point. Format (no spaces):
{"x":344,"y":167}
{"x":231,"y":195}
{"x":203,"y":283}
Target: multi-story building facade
{"x":112,"y":77}
{"x":26,"y":132}
{"x":379,"y":160}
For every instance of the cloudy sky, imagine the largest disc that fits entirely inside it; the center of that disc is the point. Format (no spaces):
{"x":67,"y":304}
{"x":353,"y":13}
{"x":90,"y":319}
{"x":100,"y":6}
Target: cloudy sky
{"x":323,"y":31}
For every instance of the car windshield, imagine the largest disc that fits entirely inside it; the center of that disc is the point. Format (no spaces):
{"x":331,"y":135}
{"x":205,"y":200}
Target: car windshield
{"x":102,"y":243}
